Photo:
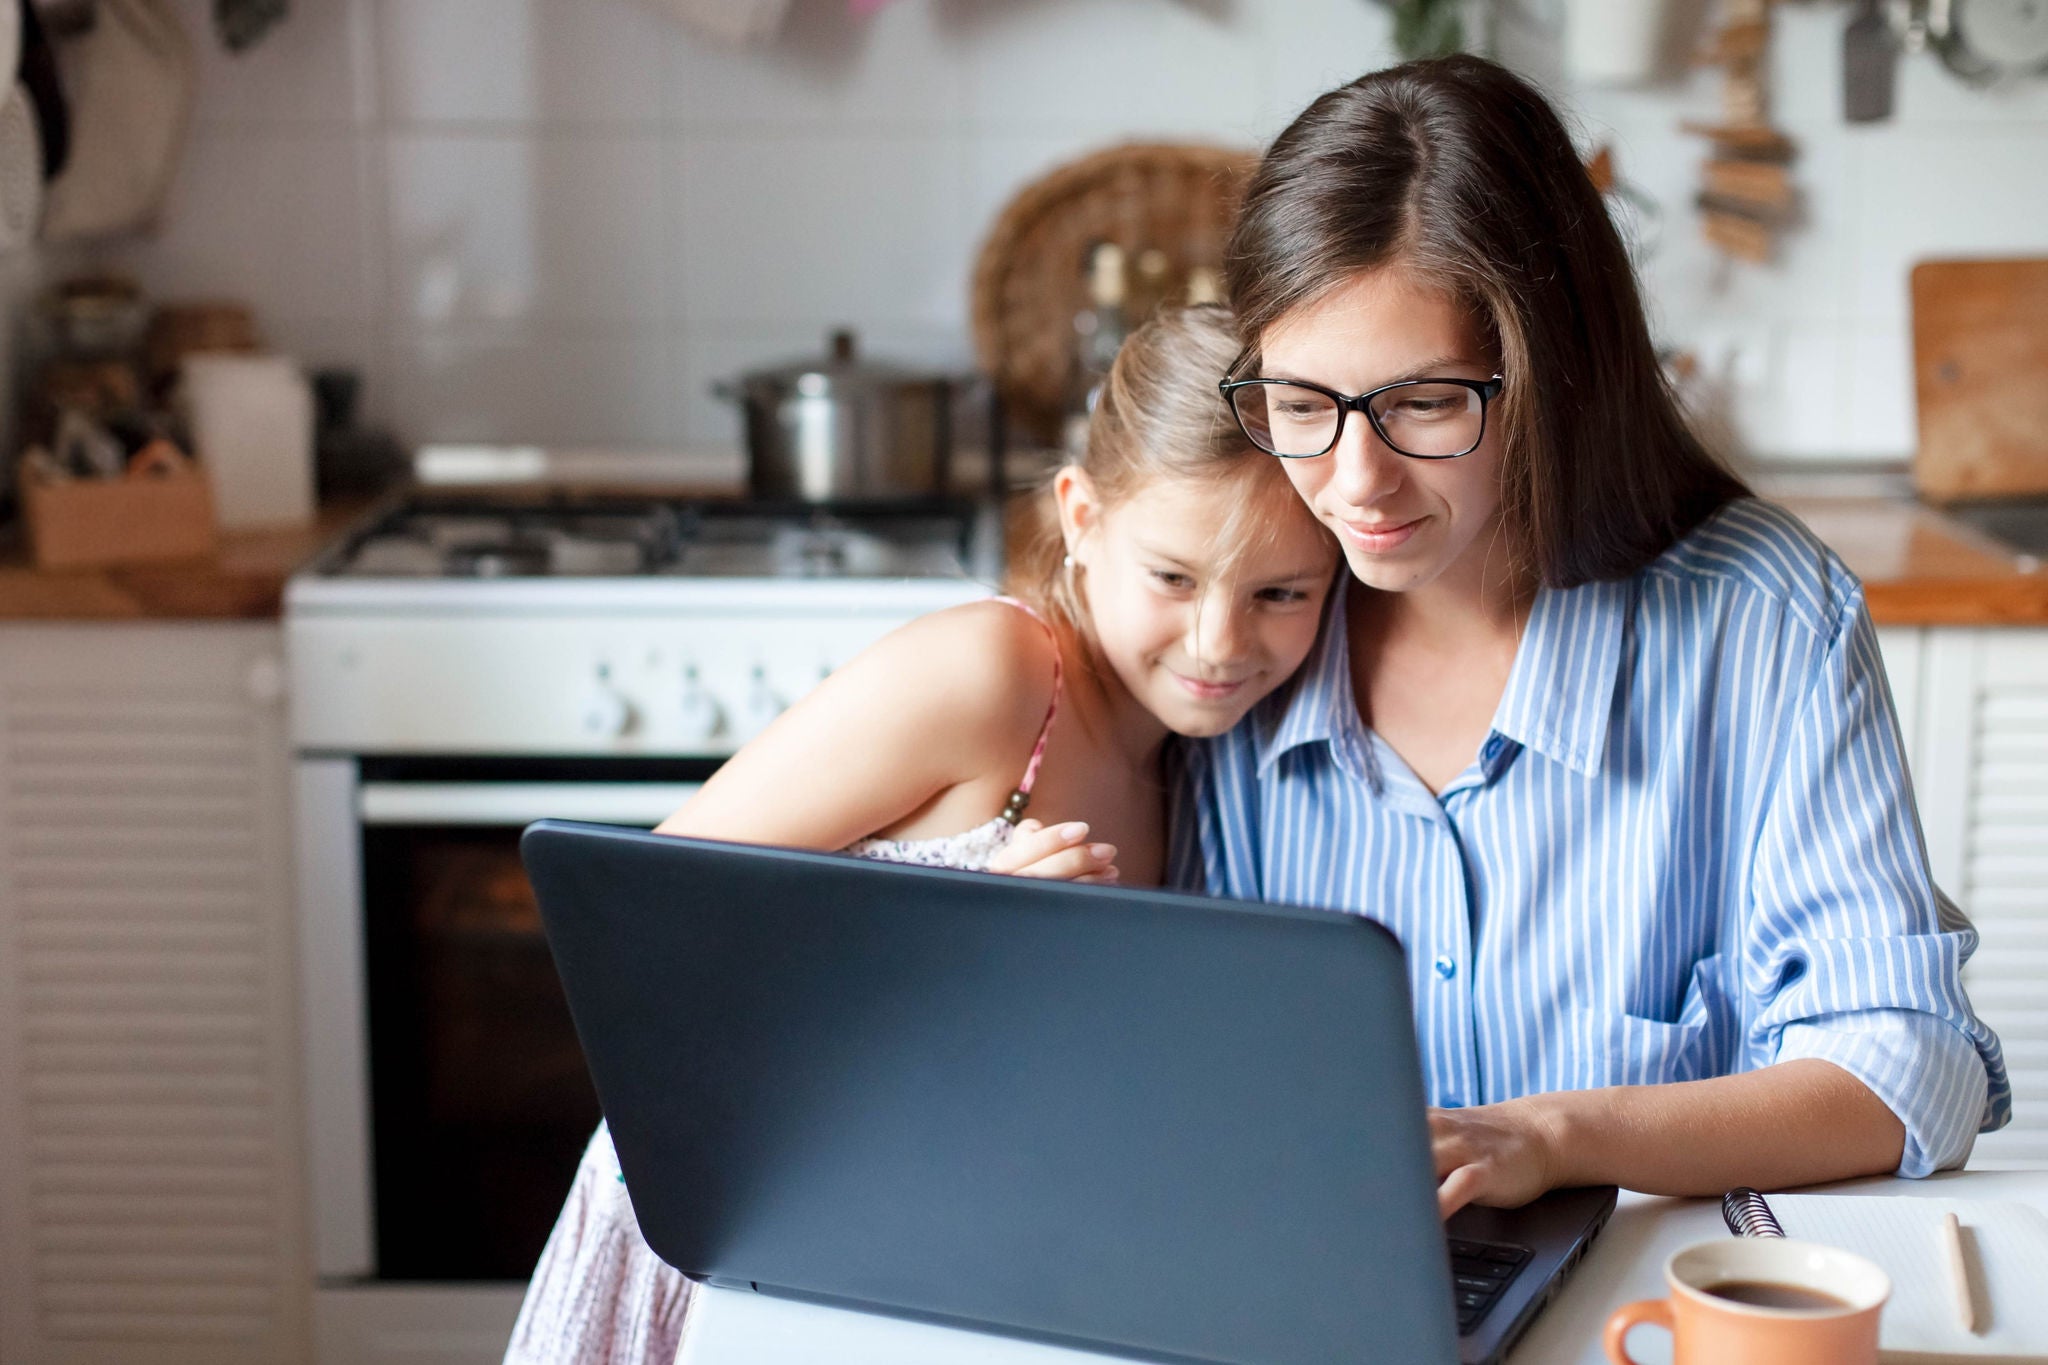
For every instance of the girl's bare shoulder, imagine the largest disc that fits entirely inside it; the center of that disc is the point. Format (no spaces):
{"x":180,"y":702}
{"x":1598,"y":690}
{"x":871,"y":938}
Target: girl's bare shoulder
{"x":949,"y":699}
{"x":988,"y":666}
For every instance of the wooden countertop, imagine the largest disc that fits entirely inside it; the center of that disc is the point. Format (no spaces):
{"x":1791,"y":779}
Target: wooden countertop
{"x":244,"y":581}
{"x":1919,"y":568}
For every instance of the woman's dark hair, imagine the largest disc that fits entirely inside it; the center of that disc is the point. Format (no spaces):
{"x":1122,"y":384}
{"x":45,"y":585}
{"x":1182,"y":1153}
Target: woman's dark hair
{"x":1459,"y":171}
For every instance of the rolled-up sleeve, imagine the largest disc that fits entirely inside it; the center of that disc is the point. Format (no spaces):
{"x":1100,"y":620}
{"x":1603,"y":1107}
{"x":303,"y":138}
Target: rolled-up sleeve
{"x":1851,"y":955}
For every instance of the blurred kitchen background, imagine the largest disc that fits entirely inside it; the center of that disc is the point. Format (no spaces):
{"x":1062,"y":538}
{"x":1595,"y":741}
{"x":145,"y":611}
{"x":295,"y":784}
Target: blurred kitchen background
{"x":561,"y":220}
{"x":284,"y":1074}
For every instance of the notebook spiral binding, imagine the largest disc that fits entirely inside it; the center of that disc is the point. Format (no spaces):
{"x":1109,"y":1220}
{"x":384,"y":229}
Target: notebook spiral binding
{"x":1748,"y":1215}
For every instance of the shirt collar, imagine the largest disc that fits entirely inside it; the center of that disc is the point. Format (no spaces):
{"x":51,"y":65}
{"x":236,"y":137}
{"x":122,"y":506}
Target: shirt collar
{"x":1560,"y":694}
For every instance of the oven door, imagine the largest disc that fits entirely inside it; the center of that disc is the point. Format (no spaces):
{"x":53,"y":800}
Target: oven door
{"x":450,"y":1101}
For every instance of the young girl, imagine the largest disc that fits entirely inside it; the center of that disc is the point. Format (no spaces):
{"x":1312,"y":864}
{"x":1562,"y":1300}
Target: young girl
{"x":1174,"y":582}
{"x":1603,"y":739}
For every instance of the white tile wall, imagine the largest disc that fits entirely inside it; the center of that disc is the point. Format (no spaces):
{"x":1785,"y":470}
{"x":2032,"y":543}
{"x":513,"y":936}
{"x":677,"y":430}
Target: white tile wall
{"x":561,"y":219}
{"x":280,"y":215}
{"x":609,"y":388}
{"x":1180,"y":68}
{"x":563,"y":230}
{"x":532,"y":64}
{"x":902,"y":70}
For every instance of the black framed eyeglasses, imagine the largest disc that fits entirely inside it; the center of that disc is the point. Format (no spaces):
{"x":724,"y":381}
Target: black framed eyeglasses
{"x":1424,"y":419}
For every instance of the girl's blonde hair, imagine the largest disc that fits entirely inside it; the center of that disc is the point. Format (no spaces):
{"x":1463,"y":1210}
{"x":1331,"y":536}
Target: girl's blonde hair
{"x":1159,"y":417}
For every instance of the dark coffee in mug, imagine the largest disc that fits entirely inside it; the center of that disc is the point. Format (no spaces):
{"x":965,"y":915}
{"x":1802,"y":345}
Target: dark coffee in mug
{"x":1760,"y":1301}
{"x":1763,"y":1294}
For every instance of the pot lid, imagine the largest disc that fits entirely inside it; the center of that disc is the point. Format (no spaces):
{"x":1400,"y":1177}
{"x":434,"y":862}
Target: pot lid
{"x":841,"y":369}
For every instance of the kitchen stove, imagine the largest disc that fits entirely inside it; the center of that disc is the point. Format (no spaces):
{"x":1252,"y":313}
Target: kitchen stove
{"x":462,"y":665}
{"x":563,"y":624}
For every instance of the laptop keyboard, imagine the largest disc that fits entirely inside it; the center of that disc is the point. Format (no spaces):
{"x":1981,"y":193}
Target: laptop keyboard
{"x":1480,"y":1273}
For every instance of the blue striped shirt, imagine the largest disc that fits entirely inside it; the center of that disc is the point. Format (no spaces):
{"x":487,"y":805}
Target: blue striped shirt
{"x":1686,"y":848}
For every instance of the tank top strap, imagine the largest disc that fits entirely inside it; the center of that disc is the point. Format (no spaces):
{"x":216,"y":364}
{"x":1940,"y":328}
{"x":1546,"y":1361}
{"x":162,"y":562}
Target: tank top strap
{"x":1013,"y":809}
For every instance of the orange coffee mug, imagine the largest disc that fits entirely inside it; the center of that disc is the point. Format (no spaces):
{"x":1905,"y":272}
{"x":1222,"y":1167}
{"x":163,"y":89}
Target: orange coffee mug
{"x":1762,"y":1301}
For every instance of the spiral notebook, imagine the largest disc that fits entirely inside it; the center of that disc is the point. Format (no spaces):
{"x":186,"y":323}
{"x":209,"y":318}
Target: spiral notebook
{"x":2007,"y":1256}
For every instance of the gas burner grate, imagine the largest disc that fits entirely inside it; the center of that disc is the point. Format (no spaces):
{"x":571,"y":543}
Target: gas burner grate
{"x":443,"y":538}
{"x":575,"y":537}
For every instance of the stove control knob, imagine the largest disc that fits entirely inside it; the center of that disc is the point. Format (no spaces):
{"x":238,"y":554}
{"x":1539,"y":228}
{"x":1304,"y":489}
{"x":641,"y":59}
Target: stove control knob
{"x":763,"y":704}
{"x":701,"y":718}
{"x":605,"y":712}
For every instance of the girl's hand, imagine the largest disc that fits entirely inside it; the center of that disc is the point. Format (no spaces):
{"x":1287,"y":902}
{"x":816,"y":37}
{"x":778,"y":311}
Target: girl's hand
{"x":1058,"y":853}
{"x":1501,"y":1155}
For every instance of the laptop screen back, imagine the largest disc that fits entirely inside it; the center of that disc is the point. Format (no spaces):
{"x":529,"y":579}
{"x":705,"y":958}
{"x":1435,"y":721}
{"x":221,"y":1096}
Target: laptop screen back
{"x":1174,"y":1127}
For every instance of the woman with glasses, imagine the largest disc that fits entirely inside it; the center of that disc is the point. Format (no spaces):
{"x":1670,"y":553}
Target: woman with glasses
{"x":1605,"y":740}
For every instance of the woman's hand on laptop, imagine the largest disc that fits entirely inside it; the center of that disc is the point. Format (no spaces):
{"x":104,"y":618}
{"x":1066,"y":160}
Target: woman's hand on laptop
{"x":1056,"y":852}
{"x":1806,"y":1121}
{"x":1501,"y":1155}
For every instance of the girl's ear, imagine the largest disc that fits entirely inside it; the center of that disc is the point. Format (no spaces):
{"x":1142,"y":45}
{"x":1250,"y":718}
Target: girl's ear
{"x":1080,"y":509}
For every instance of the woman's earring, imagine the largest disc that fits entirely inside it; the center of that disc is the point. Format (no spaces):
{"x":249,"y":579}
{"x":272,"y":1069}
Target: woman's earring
{"x":1068,"y":563}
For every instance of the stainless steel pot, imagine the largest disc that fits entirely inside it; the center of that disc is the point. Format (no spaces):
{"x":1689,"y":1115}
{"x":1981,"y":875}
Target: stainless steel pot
{"x":843,"y":429}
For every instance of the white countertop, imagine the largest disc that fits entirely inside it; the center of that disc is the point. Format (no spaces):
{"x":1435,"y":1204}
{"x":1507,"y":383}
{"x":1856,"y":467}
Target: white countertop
{"x":728,"y":1327}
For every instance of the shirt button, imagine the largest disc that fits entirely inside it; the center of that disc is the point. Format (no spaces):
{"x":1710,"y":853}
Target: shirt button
{"x":1446,"y":968}
{"x":1491,"y":749}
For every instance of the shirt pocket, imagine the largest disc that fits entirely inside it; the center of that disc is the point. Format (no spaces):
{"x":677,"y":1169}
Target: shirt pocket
{"x":1626,"y":1049}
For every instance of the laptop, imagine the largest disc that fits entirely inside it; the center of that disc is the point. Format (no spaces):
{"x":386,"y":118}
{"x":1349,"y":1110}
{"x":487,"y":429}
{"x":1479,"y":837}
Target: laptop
{"x":1149,"y":1125}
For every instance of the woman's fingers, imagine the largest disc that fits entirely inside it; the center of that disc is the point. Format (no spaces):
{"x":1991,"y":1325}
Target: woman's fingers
{"x":1492,"y":1154}
{"x":1463,"y":1167}
{"x":1458,"y":1189}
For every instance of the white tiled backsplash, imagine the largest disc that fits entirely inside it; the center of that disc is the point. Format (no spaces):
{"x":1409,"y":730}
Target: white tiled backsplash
{"x":560,"y":220}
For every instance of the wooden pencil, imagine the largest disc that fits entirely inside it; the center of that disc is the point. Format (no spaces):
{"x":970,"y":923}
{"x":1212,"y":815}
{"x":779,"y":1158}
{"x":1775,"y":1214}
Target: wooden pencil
{"x":1958,"y":1271}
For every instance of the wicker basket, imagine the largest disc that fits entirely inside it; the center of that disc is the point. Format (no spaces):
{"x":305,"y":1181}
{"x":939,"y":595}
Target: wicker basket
{"x":1028,"y":279}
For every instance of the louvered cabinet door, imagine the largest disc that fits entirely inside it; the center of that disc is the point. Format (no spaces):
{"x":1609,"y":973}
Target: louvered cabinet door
{"x":1986,"y":808}
{"x":1904,"y":650}
{"x":151,"y":1201}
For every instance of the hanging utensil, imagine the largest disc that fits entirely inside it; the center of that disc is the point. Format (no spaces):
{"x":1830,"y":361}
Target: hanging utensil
{"x":1870,"y":58}
{"x":131,"y":80}
{"x":45,"y":91}
{"x":241,"y":23}
{"x":21,"y":170}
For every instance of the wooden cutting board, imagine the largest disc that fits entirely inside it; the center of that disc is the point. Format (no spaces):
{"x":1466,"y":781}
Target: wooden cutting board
{"x":1980,"y":373}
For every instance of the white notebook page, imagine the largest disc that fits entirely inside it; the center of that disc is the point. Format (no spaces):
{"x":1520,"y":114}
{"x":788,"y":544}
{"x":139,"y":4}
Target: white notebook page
{"x":2007,"y":1254}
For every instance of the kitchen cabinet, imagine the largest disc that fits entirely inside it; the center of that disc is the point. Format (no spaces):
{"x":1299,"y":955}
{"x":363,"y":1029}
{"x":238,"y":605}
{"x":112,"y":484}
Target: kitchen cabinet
{"x":151,"y":1190}
{"x":1974,"y":705}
